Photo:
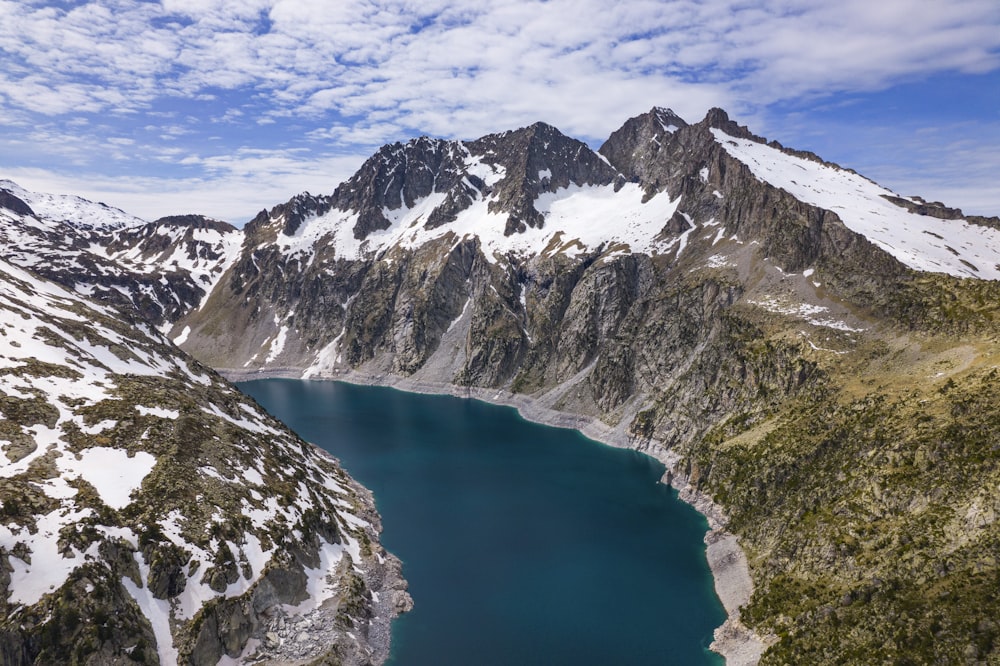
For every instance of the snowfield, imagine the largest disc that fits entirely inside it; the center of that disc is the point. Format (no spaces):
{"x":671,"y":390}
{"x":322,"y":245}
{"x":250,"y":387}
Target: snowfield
{"x":921,"y":242}
{"x":69,"y":208}
{"x":578,"y":219}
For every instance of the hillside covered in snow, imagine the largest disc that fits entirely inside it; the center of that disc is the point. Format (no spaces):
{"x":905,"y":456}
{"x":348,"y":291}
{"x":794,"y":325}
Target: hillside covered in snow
{"x":151,"y":512}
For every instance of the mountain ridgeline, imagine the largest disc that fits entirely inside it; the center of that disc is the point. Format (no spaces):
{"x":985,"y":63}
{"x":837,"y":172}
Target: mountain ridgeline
{"x":812,"y":351}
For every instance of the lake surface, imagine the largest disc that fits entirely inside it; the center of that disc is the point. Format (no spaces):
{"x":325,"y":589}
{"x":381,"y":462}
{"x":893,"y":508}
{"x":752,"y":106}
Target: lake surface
{"x":523,"y":544}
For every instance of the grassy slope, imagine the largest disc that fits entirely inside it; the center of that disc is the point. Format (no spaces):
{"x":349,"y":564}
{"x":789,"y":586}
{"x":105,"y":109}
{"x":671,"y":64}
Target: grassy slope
{"x":867,"y":505}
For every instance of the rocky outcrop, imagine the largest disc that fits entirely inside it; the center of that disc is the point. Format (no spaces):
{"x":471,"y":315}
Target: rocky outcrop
{"x":13,"y":204}
{"x":292,"y":214}
{"x":919,"y":206}
{"x":398,"y":176}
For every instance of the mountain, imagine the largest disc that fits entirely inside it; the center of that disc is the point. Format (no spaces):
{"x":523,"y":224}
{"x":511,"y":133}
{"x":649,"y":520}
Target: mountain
{"x":67,"y":208}
{"x":151,"y":513}
{"x":812,"y":355}
{"x":163,"y":268}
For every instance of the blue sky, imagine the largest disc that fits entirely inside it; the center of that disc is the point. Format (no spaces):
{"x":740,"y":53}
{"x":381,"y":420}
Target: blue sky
{"x":225,"y":107}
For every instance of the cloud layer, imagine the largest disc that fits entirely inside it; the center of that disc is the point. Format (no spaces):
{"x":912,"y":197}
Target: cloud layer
{"x":200,"y":89}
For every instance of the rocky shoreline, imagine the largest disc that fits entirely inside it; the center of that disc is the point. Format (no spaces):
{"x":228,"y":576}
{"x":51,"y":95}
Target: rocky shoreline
{"x":290,"y":637}
{"x":298,"y":639}
{"x":739,"y":645}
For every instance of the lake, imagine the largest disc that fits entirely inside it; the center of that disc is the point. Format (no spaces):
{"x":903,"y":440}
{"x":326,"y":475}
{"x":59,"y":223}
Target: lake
{"x":522,"y":544}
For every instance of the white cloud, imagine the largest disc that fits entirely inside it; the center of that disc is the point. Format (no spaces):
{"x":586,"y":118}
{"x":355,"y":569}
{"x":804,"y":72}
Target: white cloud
{"x":235,"y":189}
{"x":509,"y":58}
{"x":355,"y":73}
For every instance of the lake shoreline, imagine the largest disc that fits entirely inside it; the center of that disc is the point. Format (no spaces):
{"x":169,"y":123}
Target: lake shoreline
{"x":737,"y":644}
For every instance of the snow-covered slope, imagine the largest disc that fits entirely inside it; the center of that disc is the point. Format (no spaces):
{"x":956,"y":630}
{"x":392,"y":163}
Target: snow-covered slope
{"x":923,"y":243}
{"x":144,"y":484}
{"x":199,"y":248}
{"x":578,"y":219}
{"x":73,"y":209}
{"x":164,"y":268}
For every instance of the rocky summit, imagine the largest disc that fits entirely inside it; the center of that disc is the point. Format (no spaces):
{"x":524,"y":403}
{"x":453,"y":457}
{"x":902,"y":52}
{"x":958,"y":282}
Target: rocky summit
{"x":812,"y":355}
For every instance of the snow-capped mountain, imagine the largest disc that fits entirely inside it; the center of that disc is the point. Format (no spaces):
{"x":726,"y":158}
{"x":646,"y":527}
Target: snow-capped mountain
{"x":163,"y":268}
{"x":695,"y":196}
{"x":72,"y":209}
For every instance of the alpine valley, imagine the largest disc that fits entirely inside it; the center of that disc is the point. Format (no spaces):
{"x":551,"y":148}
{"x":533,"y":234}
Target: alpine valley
{"x":814,"y":357}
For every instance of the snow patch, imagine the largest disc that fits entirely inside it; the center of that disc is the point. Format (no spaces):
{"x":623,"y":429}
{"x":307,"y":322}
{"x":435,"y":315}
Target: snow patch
{"x":182,"y":338}
{"x":113,"y":473}
{"x":49,"y":568}
{"x":157,"y":611}
{"x":159,"y":412}
{"x":277,"y":345}
{"x":804,"y":311}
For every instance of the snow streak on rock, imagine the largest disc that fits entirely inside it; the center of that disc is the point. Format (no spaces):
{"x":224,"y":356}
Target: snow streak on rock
{"x":578,"y":219}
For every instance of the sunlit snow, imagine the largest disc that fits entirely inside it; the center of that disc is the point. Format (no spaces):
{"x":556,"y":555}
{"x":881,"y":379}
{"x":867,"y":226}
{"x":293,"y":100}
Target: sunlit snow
{"x":921,"y":242}
{"x":577,"y":218}
{"x":113,"y":473}
{"x":71,"y":208}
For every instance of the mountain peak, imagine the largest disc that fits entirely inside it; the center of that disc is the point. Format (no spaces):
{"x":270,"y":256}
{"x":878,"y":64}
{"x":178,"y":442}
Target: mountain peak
{"x":397,"y":176}
{"x":544,"y":129}
{"x":669,"y":120}
{"x":634,"y":148}
{"x":717,"y":118}
{"x":13,"y":203}
{"x":534,"y":160}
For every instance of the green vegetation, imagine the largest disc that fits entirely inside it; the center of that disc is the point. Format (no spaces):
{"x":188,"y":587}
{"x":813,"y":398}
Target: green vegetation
{"x":869,"y":520}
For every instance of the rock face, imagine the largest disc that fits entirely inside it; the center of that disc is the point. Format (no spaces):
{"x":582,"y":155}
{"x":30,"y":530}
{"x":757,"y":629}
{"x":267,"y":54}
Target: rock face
{"x":150,"y":512}
{"x":809,"y":349}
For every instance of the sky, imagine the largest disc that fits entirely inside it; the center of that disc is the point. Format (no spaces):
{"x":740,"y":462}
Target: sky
{"x":228,"y":107}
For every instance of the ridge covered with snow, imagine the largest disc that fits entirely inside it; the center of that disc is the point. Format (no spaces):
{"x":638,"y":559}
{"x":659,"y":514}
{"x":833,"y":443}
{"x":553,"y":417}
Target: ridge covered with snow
{"x":164,"y":268}
{"x":578,"y":219}
{"x":922,"y":242}
{"x":114,"y":439}
{"x":73,"y":209}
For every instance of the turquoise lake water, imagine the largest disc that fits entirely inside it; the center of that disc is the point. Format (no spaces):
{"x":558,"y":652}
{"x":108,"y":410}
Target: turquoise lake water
{"x":522,"y":544}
